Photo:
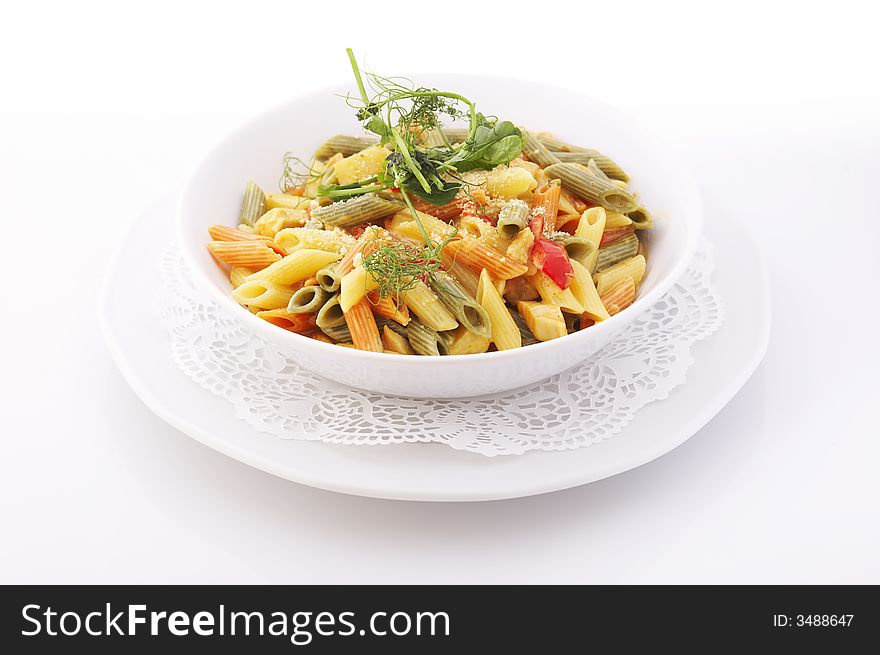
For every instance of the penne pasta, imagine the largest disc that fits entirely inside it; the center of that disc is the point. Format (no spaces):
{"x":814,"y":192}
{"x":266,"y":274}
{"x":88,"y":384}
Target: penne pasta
{"x":633,"y":268}
{"x":355,"y":285}
{"x":580,"y":181}
{"x":329,"y":278}
{"x":300,"y":323}
{"x":641,"y":219}
{"x":545,"y":205}
{"x":253,"y":204}
{"x":250,"y":254}
{"x":295,"y":267}
{"x":504,"y":332}
{"x":538,"y":152}
{"x":614,"y":220}
{"x":307,"y":300}
{"x":615,"y":234}
{"x":330,"y":315}
{"x":237,"y":275}
{"x":428,"y":308}
{"x":339,"y":333}
{"x":388,"y":308}
{"x":465,"y":342}
{"x":395,"y":343}
{"x":620,"y":296}
{"x":584,"y":291}
{"x":525,"y":334}
{"x":344,"y":145}
{"x":425,"y":341}
{"x":299,"y":238}
{"x":359,"y":209}
{"x":262,"y":294}
{"x":512,"y":218}
{"x":616,"y":252}
{"x":372,"y":233}
{"x":362,"y":326}
{"x":553,"y":295}
{"x":591,"y":227}
{"x":477,"y":256}
{"x":275,"y":220}
{"x":574,"y":154}
{"x":461,"y":304}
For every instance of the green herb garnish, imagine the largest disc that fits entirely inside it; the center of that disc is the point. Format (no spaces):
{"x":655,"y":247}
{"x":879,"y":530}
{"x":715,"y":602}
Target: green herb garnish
{"x":398,"y":113}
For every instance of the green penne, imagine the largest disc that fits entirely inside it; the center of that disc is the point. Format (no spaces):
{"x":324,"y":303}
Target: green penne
{"x":307,"y":300}
{"x":641,"y":219}
{"x":253,"y":204}
{"x":590,"y":187}
{"x":607,"y":166}
{"x":346,"y":145}
{"x":577,"y":247}
{"x":360,"y":209}
{"x":512,"y":218}
{"x":527,"y":337}
{"x":617,"y":252}
{"x":339,"y":333}
{"x":538,"y":152}
{"x":330,"y":315}
{"x":394,"y":326}
{"x":461,"y":304}
{"x":329,"y":278}
{"x":424,"y":340}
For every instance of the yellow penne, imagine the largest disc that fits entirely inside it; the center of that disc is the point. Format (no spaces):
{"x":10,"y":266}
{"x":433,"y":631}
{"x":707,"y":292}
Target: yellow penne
{"x":292,"y":239}
{"x":355,"y":284}
{"x":465,"y":342}
{"x":553,"y":295}
{"x":296,"y":266}
{"x":633,"y":268}
{"x":620,"y":296}
{"x":428,"y":308}
{"x":262,"y":294}
{"x":585,"y":292}
{"x":387,"y":307}
{"x":616,"y":219}
{"x":505,"y":334}
{"x":252,"y":254}
{"x":362,"y":325}
{"x":436,"y":229}
{"x":545,"y":321}
{"x":294,"y":322}
{"x":591,"y":227}
{"x":237,"y":275}
{"x":395,"y":343}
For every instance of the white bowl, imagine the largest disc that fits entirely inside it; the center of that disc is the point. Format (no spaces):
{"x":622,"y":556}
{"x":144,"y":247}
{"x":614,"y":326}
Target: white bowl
{"x":254,"y":152}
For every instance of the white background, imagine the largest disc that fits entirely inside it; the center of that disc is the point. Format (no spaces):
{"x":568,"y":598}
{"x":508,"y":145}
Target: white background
{"x":104,"y":107}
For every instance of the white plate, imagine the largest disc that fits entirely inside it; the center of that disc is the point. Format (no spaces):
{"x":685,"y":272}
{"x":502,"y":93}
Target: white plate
{"x":723,"y":363}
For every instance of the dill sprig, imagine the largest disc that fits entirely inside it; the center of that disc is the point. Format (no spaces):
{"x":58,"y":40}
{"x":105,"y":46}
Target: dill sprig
{"x":398,"y":265}
{"x":296,"y":173}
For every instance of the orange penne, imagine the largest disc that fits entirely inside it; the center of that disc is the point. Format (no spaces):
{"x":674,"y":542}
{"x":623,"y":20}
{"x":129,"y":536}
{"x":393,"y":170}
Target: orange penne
{"x":614,"y":234}
{"x":294,"y":322}
{"x":251,"y":254}
{"x":386,"y":307}
{"x":578,"y":203}
{"x":620,"y":296}
{"x":478,"y":256}
{"x":226,"y":233}
{"x":345,"y":264}
{"x":545,"y":204}
{"x":362,"y":325}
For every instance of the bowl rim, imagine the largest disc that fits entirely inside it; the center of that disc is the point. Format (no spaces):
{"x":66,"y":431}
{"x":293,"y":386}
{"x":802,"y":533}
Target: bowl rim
{"x":604,"y":327}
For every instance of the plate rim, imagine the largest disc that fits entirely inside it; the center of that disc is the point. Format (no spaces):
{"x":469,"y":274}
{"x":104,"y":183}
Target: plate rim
{"x":302,"y":475}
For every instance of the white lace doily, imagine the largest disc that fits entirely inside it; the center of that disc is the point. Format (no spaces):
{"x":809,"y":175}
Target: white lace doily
{"x":584,"y":405}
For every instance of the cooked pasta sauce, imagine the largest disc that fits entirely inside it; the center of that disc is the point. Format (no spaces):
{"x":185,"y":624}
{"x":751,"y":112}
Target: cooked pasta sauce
{"x":425,"y":239}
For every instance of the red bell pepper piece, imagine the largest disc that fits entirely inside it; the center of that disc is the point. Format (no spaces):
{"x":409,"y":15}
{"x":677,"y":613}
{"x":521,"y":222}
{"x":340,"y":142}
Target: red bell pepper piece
{"x":551,"y":258}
